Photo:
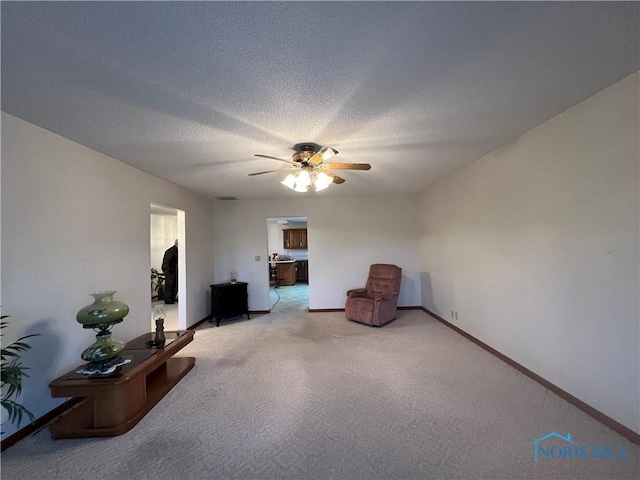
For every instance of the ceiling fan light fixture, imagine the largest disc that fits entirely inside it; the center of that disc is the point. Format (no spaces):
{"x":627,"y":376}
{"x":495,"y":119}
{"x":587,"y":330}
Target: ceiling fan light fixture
{"x":302,"y":180}
{"x":311,"y":168}
{"x":299,"y":181}
{"x":289,"y":181}
{"x":322,"y":181}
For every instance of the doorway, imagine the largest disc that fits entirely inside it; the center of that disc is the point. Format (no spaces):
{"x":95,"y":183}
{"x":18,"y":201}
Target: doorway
{"x":288,"y":275}
{"x":167,"y":224}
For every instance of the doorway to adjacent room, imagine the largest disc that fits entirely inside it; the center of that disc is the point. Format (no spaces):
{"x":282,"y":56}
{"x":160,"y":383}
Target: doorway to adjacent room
{"x":167,"y":224}
{"x":288,"y":273}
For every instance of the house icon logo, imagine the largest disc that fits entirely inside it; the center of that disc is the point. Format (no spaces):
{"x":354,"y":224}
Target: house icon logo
{"x":554,"y":446}
{"x":567,"y":440}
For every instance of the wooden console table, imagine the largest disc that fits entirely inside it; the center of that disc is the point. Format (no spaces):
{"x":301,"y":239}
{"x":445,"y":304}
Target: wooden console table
{"x":114,"y":404}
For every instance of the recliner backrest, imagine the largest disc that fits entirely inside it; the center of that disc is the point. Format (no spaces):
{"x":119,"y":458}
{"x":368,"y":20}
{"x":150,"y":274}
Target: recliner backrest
{"x":383,"y":278}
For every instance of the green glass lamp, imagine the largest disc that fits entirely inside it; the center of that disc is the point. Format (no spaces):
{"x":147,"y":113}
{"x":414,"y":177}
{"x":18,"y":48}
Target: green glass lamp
{"x":101,"y":316}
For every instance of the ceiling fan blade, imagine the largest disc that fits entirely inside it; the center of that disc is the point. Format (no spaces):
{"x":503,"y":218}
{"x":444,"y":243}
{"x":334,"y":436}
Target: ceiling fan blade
{"x":274,"y":158}
{"x":272,"y":171}
{"x":336,"y":179}
{"x":348,"y":166}
{"x":324,"y":154}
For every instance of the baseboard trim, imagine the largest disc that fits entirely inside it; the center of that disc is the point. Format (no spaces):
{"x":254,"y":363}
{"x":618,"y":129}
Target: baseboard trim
{"x":208,"y":317}
{"x":38,"y":423}
{"x":329,"y":310}
{"x":586,"y":408}
{"x":197,"y":324}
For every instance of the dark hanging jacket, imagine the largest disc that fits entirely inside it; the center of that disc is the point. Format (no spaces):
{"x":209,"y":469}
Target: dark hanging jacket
{"x":170,"y":260}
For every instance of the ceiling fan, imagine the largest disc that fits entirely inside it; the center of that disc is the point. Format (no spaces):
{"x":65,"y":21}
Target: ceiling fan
{"x":309,"y":167}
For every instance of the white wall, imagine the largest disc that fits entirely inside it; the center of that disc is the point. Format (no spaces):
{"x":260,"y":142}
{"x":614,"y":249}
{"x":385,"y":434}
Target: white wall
{"x":345,"y":236}
{"x":74,"y":222}
{"x":537,"y":247}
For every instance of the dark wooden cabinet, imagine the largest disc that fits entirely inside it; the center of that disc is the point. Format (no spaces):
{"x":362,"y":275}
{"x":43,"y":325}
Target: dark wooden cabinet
{"x":302,"y":274}
{"x":229,"y":300}
{"x":286,"y":273}
{"x":293,"y":238}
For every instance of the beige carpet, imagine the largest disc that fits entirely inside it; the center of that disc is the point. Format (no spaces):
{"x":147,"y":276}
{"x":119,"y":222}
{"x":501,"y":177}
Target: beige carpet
{"x":313,"y":396}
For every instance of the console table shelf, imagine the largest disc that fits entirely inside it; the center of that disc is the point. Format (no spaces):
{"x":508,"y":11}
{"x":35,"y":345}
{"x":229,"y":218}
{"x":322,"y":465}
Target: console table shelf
{"x":114,"y":404}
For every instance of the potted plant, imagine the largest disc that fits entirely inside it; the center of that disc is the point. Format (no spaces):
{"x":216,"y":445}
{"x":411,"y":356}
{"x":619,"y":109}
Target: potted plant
{"x":157,"y":283}
{"x":12,"y":373}
{"x":154,"y":282}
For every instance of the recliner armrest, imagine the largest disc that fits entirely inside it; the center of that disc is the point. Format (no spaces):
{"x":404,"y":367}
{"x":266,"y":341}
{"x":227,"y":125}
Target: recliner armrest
{"x":356,"y":292}
{"x":385,"y":296}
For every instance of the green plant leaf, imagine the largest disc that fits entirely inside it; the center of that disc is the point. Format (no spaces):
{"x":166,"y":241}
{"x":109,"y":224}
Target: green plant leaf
{"x":16,"y":411}
{"x":13,"y":350}
{"x":12,"y":373}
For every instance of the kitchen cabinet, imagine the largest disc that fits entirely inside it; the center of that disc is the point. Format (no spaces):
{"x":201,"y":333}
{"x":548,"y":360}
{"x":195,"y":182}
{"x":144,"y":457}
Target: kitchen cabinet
{"x":294,"y":238}
{"x":286,"y":273}
{"x":302,"y":273}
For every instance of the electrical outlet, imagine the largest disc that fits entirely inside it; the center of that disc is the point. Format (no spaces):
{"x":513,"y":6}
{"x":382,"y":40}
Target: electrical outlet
{"x":453,"y":314}
{"x":258,"y":258}
{"x":456,"y":315}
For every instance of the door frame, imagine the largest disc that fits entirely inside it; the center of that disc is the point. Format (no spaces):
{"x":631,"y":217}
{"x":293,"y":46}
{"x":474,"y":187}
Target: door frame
{"x":159,"y":209}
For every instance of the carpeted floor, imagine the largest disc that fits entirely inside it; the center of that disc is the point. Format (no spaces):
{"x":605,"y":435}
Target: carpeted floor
{"x":298,"y":395}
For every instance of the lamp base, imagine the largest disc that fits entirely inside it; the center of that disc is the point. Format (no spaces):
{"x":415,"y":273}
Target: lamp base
{"x":104,"y":348}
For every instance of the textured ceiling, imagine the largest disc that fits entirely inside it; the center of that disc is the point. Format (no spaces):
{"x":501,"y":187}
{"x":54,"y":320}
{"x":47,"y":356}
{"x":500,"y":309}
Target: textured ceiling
{"x":189,"y":91}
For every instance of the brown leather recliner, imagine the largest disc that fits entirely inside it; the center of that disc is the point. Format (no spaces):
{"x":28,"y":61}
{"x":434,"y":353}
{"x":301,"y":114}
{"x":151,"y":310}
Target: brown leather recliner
{"x":377,"y":303}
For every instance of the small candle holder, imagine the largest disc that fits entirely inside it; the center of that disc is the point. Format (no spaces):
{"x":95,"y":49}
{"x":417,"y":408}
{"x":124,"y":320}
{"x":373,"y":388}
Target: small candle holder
{"x":158,"y":317}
